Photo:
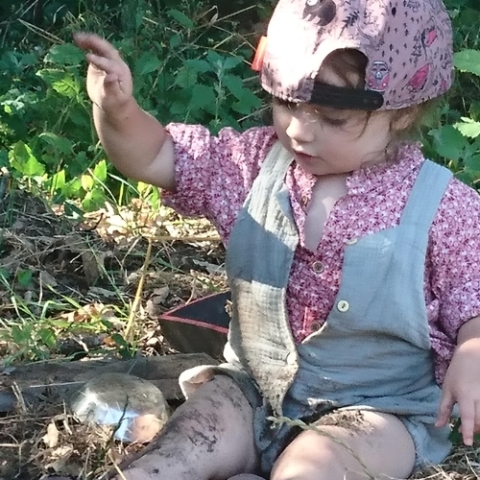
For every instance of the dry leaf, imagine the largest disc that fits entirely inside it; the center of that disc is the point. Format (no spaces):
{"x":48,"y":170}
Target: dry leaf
{"x":92,"y":264}
{"x":159,"y":295}
{"x":51,"y":438}
{"x":47,"y":279}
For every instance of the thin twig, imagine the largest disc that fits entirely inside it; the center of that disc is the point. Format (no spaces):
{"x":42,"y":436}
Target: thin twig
{"x":138,"y":293}
{"x":116,"y":467}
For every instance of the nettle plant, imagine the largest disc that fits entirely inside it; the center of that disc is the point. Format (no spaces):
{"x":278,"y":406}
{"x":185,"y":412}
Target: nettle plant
{"x":185,"y":69}
{"x":455,"y":142}
{"x":190,"y":64}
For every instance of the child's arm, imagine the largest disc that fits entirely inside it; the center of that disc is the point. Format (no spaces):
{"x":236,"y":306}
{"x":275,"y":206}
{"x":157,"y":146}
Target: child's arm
{"x":462,"y":382}
{"x":135,"y":142}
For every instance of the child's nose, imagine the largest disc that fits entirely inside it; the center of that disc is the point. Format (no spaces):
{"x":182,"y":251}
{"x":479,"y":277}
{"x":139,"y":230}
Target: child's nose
{"x":300,"y":128}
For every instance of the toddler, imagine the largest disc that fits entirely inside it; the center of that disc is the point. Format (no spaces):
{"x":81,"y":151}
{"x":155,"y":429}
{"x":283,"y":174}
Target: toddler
{"x":353,"y":262}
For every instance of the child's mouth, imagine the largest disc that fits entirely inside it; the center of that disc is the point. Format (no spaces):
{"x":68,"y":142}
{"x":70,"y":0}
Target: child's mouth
{"x":304,"y":158}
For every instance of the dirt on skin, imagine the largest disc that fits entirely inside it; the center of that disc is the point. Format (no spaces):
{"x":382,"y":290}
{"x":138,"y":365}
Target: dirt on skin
{"x":71,"y":258}
{"x":351,"y":420}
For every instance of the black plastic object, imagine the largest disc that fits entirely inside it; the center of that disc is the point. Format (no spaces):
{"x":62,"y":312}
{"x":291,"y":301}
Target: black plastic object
{"x":199,"y":327}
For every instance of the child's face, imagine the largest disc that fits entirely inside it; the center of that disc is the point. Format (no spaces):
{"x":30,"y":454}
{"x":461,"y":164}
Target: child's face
{"x":326,"y":141}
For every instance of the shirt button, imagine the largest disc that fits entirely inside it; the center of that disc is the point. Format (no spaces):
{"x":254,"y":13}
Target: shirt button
{"x":315,"y":326}
{"x":343,"y":306}
{"x":318,"y":267}
{"x":351,"y":241}
{"x":291,"y":359}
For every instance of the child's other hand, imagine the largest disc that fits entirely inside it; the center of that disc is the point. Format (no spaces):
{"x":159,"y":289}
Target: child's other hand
{"x":109,"y":80}
{"x":462,"y":386}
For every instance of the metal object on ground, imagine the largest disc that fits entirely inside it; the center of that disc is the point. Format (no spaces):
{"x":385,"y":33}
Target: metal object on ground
{"x":135,"y":407}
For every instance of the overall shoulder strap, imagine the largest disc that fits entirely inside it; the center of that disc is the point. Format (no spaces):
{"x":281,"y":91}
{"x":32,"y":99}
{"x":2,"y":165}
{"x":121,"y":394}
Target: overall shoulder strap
{"x":277,"y":160}
{"x":426,"y":194}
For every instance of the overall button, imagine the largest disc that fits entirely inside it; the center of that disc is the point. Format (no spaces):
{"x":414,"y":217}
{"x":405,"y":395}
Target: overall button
{"x":291,"y":359}
{"x":351,"y":241}
{"x":343,"y":306}
{"x":318,"y":267}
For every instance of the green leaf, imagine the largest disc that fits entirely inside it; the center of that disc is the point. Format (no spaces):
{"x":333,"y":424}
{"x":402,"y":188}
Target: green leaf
{"x":468,"y":61}
{"x":67,"y":87}
{"x":181,"y":18}
{"x":87,"y":182}
{"x":232,"y":62}
{"x":48,"y":337}
{"x":186,"y":77}
{"x":50,"y":75}
{"x":214,"y":58}
{"x":448,"y":142}
{"x":468,"y":127}
{"x":63,"y":144}
{"x":58,"y":181}
{"x":24,"y":277}
{"x":62,"y":82}
{"x":200,"y":66}
{"x":147,"y":63}
{"x":473,"y":162}
{"x":202,"y":98}
{"x":101,"y":171}
{"x":248,"y":103}
{"x":65,"y":54}
{"x":94,"y":199}
{"x":234,"y":84}
{"x":23,"y":160}
{"x":175,"y":41}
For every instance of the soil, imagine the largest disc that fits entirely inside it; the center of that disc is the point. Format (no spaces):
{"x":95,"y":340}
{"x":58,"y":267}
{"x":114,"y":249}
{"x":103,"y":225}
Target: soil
{"x":70,"y":278}
{"x":80,"y":274}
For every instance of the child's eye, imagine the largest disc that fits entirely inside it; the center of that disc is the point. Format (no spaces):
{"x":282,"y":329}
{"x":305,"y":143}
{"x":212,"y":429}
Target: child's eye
{"x":334,"y":122}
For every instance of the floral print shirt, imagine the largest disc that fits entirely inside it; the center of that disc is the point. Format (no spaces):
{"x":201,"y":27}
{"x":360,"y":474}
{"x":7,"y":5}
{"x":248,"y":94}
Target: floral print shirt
{"x":215,"y":173}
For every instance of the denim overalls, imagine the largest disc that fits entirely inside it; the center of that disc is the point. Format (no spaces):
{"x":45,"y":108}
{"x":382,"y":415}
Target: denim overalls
{"x":373,"y":351}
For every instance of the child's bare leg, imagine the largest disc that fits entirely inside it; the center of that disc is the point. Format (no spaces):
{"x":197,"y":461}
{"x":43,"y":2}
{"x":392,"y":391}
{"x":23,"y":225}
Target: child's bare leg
{"x":209,"y":437}
{"x":381,"y":441}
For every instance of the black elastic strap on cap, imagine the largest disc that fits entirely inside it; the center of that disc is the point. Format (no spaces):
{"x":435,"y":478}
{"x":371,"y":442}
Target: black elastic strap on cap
{"x":345,"y":98}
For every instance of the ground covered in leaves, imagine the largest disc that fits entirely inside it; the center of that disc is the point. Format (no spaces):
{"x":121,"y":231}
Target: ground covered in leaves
{"x":97,"y":288}
{"x":88,"y":289}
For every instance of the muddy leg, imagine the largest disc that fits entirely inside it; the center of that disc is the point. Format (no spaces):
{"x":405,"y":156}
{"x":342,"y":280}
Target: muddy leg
{"x":210,"y":437}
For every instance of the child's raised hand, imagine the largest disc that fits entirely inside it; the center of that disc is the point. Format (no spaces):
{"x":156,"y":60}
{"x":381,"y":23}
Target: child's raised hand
{"x":109,"y":80}
{"x":462,"y":387}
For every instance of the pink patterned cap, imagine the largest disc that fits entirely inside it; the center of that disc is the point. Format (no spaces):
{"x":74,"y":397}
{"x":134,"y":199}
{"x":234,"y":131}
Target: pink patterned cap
{"x":408,"y":45}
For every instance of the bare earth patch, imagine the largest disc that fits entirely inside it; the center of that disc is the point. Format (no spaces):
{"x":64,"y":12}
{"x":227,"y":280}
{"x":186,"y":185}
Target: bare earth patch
{"x":84,"y":282}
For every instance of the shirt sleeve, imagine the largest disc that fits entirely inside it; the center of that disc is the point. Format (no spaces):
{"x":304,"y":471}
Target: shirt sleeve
{"x":213,"y":174}
{"x":455,"y":261}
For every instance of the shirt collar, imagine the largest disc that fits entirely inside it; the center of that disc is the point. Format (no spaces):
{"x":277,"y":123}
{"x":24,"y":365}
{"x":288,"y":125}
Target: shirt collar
{"x":392,"y":172}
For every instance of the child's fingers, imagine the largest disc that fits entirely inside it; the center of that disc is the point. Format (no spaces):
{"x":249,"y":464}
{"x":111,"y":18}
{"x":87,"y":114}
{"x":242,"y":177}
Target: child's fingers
{"x":96,"y":44}
{"x":467,"y":416}
{"x":105,"y":64}
{"x":445,"y":409}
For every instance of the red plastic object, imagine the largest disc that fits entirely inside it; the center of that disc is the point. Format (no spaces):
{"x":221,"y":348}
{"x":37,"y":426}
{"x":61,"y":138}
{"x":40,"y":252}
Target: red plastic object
{"x":259,"y":54}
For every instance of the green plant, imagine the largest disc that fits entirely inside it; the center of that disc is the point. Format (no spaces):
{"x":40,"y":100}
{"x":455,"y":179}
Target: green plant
{"x":189,"y":66}
{"x":455,"y":140}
